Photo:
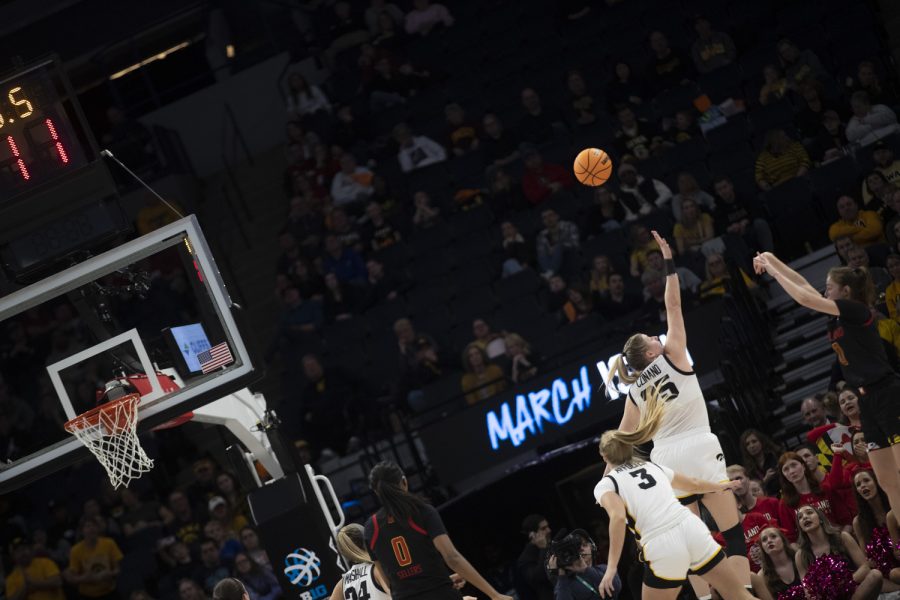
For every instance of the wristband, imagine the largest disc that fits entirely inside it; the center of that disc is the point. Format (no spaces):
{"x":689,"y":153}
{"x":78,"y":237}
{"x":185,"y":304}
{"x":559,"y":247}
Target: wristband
{"x":670,"y":267}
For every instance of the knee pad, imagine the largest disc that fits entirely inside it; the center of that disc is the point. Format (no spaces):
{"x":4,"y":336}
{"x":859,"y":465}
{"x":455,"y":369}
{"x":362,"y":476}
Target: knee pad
{"x":734,"y":541}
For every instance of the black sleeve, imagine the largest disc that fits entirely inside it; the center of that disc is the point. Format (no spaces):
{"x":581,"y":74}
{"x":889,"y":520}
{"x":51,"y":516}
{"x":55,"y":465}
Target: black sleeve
{"x":853,"y":312}
{"x":432,"y":522}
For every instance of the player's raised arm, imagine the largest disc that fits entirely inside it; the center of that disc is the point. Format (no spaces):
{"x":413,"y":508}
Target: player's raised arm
{"x":796,"y":286}
{"x":676,"y":337}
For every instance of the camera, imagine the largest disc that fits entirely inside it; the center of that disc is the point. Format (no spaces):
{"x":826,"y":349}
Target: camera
{"x":567,"y":548}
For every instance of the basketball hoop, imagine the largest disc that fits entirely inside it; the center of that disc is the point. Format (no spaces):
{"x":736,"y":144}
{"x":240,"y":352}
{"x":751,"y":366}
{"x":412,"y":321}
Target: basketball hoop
{"x":110,"y":432}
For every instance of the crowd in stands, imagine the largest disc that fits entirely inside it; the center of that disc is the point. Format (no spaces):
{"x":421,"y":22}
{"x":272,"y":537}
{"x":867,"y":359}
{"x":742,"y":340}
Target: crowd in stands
{"x":142,"y":543}
{"x":403,"y":184}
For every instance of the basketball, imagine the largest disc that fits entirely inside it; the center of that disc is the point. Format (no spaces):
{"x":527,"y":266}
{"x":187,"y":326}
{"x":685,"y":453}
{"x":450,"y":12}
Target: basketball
{"x":593,"y":167}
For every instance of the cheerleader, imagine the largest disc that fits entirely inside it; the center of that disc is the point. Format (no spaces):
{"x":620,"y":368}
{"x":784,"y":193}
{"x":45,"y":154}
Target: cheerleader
{"x":853,"y":333}
{"x":684,"y":442}
{"x":871,"y":528}
{"x":830,"y":561}
{"x":778,"y":578}
{"x":673,"y":540}
{"x":409,"y":543}
{"x":363,"y":579}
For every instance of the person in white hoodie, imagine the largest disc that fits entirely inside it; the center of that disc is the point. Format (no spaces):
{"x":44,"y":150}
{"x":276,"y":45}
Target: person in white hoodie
{"x":869,"y":122}
{"x":416,"y":151}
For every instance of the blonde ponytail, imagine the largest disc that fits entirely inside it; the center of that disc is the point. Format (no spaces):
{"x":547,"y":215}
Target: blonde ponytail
{"x":351,"y":543}
{"x":618,"y":446}
{"x":628,"y":365}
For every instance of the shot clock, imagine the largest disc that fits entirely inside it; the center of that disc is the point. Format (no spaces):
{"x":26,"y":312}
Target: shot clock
{"x":37,"y":138}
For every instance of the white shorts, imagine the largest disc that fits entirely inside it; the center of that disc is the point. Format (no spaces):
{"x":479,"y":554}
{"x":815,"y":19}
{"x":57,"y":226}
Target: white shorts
{"x":669,"y":555}
{"x":695,"y":454}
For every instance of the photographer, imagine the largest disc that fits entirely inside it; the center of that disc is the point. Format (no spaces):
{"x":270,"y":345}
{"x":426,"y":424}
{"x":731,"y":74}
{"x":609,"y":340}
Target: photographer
{"x":531,"y":578}
{"x":578,"y":578}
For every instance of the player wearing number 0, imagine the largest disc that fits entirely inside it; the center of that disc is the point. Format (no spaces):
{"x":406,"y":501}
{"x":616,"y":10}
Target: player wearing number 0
{"x":853,"y":333}
{"x":684,"y":442}
{"x":673,"y":540}
{"x":410,"y":545}
{"x":362,"y":579}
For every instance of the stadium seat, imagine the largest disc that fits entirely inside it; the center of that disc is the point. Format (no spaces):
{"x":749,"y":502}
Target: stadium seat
{"x":344,"y":332}
{"x":685,"y":153}
{"x":431,"y":265}
{"x":426,"y":295}
{"x":478,"y":302}
{"x":731,"y":133}
{"x":521,"y":310}
{"x":473,"y":247}
{"x":472,"y":220}
{"x":524,"y":283}
{"x":380,"y":319}
{"x":471,"y":276}
{"x":429,"y":239}
{"x":834,"y":179}
{"x":467,"y":171}
{"x":776,"y":115}
{"x":720,"y":90}
{"x":441,"y":392}
{"x":732,"y":159}
{"x":434,"y":179}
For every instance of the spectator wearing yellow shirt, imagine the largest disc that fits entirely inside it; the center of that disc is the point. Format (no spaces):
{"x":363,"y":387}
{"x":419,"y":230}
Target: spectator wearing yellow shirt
{"x":694,"y":229}
{"x":32,"y":578}
{"x":862,"y":226}
{"x":892,"y":293}
{"x":94,"y":563}
{"x":482,"y":379}
{"x":781,"y":160}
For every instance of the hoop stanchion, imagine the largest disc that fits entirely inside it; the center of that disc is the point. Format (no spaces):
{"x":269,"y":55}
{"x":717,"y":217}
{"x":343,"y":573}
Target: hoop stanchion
{"x":110,"y":432}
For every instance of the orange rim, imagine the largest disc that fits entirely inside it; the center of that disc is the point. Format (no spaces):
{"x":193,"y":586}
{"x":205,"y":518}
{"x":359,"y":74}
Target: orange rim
{"x":91,"y":418}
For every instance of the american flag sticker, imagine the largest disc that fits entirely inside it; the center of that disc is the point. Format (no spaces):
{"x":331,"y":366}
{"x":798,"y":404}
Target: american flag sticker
{"x":215,"y":357}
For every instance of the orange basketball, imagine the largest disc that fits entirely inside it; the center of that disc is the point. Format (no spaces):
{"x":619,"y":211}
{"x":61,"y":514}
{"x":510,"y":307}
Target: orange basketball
{"x":593,"y":166}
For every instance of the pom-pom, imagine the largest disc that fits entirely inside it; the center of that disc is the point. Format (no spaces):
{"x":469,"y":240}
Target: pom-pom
{"x":880,"y":551}
{"x":795,"y":592}
{"x":829,"y":577}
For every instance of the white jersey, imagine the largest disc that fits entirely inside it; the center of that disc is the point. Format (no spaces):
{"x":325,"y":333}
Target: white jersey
{"x":680,"y":390}
{"x":361,"y":580}
{"x":646,"y":490}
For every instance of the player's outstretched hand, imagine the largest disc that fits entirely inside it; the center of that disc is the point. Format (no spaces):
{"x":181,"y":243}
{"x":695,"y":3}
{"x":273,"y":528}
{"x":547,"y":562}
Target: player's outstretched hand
{"x":663,"y":245}
{"x":729,"y":486}
{"x":458,"y":581}
{"x":761,"y":262}
{"x":607,"y":587}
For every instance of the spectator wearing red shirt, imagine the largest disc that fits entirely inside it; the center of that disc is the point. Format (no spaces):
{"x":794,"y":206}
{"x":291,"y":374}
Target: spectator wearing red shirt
{"x":542,"y":180}
{"x":757,"y":512}
{"x":799,"y":487}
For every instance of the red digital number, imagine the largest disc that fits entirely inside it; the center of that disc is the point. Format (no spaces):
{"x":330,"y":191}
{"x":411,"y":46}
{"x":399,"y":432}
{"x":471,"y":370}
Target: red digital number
{"x":55,"y":137}
{"x":23,"y":170}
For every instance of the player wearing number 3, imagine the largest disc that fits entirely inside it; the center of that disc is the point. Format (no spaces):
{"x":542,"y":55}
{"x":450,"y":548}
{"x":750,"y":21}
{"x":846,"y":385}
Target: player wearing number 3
{"x":684,"y":442}
{"x":674,"y":541}
{"x":853,"y":333}
{"x":410,"y":545}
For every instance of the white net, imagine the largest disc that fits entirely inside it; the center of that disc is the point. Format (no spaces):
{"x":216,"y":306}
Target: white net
{"x":110,"y":433}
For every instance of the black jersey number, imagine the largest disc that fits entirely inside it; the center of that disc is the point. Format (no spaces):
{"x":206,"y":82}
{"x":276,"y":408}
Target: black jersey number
{"x":350,"y":593}
{"x":665,"y":389}
{"x":647,"y":480}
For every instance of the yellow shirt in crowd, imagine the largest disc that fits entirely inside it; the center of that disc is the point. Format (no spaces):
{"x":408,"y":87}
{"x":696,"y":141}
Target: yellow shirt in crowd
{"x":40,"y":570}
{"x":104,"y":556}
